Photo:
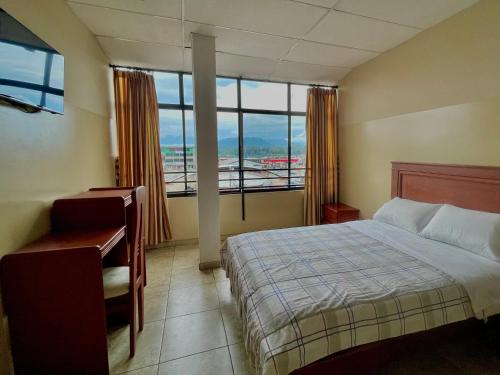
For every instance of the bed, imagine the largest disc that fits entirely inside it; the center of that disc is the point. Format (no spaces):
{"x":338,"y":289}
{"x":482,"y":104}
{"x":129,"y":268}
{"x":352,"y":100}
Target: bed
{"x":310,"y":297}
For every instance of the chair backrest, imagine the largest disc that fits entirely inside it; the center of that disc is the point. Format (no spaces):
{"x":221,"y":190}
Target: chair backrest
{"x":135,"y":229}
{"x":137,"y":232}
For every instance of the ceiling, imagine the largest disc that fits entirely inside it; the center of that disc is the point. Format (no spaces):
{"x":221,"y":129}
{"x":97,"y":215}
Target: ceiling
{"x":311,"y":41}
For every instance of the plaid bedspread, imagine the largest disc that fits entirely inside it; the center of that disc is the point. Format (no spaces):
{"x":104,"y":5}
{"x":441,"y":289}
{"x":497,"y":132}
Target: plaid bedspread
{"x":304,"y":293}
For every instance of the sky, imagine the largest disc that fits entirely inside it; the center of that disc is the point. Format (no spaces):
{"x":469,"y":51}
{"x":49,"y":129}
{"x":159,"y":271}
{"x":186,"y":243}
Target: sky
{"x":255,"y":95}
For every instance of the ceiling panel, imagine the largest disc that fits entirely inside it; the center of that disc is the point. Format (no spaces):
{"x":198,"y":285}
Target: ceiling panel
{"x":167,"y":8}
{"x":125,"y":52}
{"x":360,"y":32}
{"x":421,"y":13}
{"x":315,"y":53}
{"x":321,"y":3}
{"x":308,"y":73}
{"x":126,"y":25}
{"x":241,"y":42}
{"x":250,"y":67}
{"x":278,"y":17}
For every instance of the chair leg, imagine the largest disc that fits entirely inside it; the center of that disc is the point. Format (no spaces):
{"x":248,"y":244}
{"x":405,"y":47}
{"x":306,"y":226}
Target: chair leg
{"x":140,"y":303}
{"x":133,"y":330}
{"x":143,"y":260}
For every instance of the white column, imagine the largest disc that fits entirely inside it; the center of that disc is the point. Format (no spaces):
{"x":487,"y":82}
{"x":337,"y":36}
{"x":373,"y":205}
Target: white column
{"x":205,"y":117}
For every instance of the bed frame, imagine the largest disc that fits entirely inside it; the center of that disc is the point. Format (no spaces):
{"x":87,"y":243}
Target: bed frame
{"x":467,"y":186}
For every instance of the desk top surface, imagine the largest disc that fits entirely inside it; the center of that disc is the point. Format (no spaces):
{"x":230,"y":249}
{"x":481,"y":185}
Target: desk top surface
{"x":104,"y":239}
{"x":126,"y":194}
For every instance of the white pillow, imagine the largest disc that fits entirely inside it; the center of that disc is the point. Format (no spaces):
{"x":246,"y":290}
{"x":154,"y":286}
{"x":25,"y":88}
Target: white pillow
{"x":407,"y":214}
{"x":476,"y":231}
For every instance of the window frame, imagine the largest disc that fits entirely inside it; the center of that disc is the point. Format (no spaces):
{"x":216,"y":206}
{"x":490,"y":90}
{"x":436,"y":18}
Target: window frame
{"x":240,"y":111}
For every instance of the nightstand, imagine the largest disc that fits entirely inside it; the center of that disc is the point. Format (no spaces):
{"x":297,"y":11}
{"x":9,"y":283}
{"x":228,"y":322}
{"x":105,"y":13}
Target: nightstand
{"x":339,"y":213}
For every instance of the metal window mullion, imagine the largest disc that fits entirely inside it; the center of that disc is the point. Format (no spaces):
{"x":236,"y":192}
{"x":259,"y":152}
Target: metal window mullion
{"x":181,"y":97}
{"x":289,"y":105}
{"x":241,"y":150}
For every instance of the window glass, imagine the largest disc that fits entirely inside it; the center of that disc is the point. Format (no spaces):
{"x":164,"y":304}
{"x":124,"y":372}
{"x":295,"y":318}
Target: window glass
{"x":190,"y":142}
{"x":298,"y":97}
{"x":227,"y":92}
{"x":265,"y":141}
{"x":227,"y":139}
{"x":264,"y":95}
{"x":270,"y":159}
{"x":188,"y":89}
{"x":256,"y":181}
{"x":172,"y":152}
{"x":298,"y":142}
{"x":167,"y":87}
{"x":228,"y":145}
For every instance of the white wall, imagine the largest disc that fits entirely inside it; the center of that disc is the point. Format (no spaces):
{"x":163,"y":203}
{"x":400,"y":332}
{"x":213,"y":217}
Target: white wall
{"x":44,"y":156}
{"x":435,"y":98}
{"x":280,"y":209}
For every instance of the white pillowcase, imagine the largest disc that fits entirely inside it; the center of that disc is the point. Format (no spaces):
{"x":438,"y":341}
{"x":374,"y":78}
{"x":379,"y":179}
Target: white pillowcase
{"x":476,"y":231}
{"x":407,"y":214}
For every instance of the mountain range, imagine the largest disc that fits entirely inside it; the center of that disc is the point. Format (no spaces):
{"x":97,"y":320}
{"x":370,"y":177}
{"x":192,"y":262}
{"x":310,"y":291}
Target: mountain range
{"x":232,"y":142}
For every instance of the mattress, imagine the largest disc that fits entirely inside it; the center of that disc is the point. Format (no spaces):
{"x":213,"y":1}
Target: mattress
{"x":305,"y":293}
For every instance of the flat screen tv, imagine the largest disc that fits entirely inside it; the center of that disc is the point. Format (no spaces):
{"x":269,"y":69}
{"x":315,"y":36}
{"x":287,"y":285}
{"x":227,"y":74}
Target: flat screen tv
{"x":31,"y":71}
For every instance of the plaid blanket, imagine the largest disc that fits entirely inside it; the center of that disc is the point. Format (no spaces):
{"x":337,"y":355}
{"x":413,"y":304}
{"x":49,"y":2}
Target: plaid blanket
{"x":305,"y":293}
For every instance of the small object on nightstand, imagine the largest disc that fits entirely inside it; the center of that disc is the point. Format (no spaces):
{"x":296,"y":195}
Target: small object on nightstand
{"x":335,"y":213}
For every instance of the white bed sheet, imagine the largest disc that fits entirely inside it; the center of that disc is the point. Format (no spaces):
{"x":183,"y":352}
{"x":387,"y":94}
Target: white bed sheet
{"x":478,"y":275}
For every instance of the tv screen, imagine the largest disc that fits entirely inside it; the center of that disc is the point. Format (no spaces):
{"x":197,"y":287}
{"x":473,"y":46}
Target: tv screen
{"x":31,"y":71}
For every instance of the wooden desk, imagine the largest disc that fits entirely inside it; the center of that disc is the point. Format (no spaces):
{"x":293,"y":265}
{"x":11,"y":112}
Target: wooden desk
{"x":53,"y":288}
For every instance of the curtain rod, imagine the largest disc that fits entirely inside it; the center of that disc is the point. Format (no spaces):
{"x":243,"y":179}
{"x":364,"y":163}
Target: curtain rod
{"x":172,"y":71}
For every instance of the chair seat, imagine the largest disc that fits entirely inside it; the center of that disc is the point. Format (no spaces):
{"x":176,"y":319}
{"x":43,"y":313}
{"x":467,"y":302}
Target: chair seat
{"x":116,"y":281}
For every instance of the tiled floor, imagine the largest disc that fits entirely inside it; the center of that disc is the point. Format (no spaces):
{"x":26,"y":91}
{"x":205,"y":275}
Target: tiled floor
{"x":192,"y":328}
{"x":191,"y":325}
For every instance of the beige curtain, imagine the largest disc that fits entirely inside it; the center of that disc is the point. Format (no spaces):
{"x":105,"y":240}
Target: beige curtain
{"x":320,"y":184}
{"x":140,"y":160}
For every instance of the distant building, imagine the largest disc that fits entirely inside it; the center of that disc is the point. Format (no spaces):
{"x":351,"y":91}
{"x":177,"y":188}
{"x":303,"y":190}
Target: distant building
{"x":256,"y":175}
{"x":173,"y":157}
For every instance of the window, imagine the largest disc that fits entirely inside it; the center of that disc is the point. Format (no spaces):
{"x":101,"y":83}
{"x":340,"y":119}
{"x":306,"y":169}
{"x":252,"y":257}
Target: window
{"x":261,"y":135}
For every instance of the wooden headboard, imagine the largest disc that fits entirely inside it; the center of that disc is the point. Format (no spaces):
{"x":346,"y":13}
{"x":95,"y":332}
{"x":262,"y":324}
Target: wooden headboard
{"x":467,"y":186}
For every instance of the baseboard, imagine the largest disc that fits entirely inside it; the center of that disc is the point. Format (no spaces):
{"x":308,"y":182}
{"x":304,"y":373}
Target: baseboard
{"x":188,"y":241}
{"x":209,"y":265}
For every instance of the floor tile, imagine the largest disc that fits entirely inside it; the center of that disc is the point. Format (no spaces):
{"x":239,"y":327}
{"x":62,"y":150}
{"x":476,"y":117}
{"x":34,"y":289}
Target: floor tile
{"x":232,"y":324}
{"x":187,"y":247}
{"x":156,"y":279}
{"x":155,"y":265}
{"x":155,"y":307}
{"x":189,"y":277}
{"x":162,"y":252}
{"x":186,"y":261}
{"x":191,"y":300}
{"x":224,"y":293}
{"x":151,"y":370}
{"x":213,"y":362}
{"x":240,"y":360}
{"x":162,"y":289}
{"x":148,"y":347}
{"x":190,"y":334}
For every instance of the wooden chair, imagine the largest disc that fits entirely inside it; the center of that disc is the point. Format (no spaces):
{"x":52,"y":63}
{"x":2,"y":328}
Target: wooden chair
{"x":128,"y":281}
{"x":143,"y":254}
